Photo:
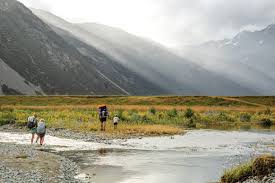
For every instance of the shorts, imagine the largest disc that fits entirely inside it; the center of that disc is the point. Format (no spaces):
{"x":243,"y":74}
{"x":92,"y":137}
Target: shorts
{"x":102,"y":120}
{"x":33,"y":130}
{"x":41,"y":135}
{"x":115,"y":124}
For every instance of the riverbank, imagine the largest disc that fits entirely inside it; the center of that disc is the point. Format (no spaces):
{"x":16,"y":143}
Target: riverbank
{"x":260,"y":170}
{"x":29,"y":163}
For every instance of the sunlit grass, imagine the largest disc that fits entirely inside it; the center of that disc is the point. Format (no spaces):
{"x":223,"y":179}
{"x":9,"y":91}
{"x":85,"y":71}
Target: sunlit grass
{"x":77,"y":114}
{"x":238,"y":174}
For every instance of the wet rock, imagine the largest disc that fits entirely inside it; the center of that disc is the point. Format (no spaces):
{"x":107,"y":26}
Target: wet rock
{"x":263,"y":166}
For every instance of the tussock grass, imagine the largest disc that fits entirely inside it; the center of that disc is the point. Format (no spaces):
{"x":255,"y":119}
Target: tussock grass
{"x":260,"y":167}
{"x":238,"y":174}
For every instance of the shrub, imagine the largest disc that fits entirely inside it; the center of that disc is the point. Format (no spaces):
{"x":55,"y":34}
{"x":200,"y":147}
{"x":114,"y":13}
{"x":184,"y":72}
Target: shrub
{"x":152,"y":111}
{"x":7,"y":117}
{"x":266,"y":122}
{"x":268,"y":111}
{"x":160,"y":116}
{"x":245,"y":117}
{"x":191,"y":123}
{"x":172,"y":113}
{"x":189,"y":113}
{"x":145,"y":119}
{"x":120,"y":115}
{"x":135,"y":117}
{"x":225,"y":117}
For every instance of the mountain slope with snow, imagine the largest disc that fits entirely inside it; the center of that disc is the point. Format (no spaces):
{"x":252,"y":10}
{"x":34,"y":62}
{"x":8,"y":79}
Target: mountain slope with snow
{"x":248,"y":58}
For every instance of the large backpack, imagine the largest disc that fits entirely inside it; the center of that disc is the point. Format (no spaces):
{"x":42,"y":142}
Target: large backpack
{"x":31,"y":122}
{"x":41,"y":128}
{"x":103,"y":112}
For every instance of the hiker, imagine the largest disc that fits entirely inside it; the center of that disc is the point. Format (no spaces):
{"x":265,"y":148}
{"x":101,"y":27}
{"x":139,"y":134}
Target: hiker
{"x":41,"y":130}
{"x":115,"y":121}
{"x":32,"y":125}
{"x":103,"y":115}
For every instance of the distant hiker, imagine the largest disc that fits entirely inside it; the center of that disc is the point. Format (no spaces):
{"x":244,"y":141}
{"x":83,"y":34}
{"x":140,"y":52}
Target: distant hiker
{"x":115,"y":121}
{"x":32,"y":125}
{"x":103,"y":115}
{"x":41,"y":130}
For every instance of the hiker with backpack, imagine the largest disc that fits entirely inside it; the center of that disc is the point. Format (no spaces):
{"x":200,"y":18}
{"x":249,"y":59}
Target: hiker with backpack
{"x":103,"y":115}
{"x":115,"y":121}
{"x":32,"y":125}
{"x":41,"y":130}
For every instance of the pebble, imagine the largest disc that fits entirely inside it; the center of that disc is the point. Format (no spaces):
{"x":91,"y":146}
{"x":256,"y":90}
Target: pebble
{"x":67,"y":171}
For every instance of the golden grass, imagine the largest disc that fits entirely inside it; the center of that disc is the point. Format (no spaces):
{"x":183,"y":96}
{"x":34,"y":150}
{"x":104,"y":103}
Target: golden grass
{"x":143,"y":107}
{"x":123,"y":130}
{"x":79,"y":113}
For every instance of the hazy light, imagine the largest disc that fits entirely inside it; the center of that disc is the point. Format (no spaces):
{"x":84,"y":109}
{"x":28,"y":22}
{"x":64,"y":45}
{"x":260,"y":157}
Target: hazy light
{"x":172,"y":23}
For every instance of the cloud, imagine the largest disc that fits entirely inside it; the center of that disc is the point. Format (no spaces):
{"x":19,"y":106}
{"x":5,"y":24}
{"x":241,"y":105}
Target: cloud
{"x":173,"y":22}
{"x":39,"y":4}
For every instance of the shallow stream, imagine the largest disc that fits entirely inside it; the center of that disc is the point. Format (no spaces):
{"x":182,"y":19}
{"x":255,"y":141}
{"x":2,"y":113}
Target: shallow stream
{"x":199,"y":156}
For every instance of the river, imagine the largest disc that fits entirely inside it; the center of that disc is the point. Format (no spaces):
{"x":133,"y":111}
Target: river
{"x":199,"y":156}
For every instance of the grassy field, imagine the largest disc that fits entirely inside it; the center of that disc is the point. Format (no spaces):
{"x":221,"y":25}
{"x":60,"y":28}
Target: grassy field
{"x":142,"y":115}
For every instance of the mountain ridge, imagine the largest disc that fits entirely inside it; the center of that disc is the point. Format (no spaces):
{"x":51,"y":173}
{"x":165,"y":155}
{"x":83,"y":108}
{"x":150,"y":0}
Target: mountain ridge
{"x":150,"y":60}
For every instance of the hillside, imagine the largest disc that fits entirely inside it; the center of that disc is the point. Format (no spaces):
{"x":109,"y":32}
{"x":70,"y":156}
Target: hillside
{"x":148,"y":59}
{"x":38,"y":54}
{"x":247,"y":58}
{"x":13,"y":84}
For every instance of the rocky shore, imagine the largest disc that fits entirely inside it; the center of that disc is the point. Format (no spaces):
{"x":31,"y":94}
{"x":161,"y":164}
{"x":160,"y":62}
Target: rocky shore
{"x":266,"y":179}
{"x":30,"y":163}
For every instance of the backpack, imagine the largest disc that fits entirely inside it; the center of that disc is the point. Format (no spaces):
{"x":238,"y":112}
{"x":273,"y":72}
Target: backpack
{"x":103,"y":113}
{"x":31,"y":122}
{"x":41,"y":128}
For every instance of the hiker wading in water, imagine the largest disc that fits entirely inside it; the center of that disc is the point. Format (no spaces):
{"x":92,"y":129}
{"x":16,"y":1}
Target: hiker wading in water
{"x":103,"y":115}
{"x":32,"y":125}
{"x":41,"y":130}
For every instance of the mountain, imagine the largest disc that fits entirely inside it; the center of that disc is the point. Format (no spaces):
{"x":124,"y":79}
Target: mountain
{"x":147,"y":58}
{"x":121,"y":76}
{"x":13,"y":84}
{"x":248,"y":58}
{"x":42,"y":58}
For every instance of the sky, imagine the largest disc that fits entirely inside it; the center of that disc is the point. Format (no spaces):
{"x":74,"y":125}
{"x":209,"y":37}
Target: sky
{"x":173,"y":23}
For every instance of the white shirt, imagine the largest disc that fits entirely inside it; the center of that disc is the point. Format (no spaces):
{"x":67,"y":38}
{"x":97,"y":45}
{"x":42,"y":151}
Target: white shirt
{"x":116,"y":119}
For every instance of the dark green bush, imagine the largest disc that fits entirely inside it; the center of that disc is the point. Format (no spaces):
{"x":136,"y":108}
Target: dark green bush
{"x":189,"y":113}
{"x":245,"y":117}
{"x":266,"y":122}
{"x":172,"y":113}
{"x":152,"y":111}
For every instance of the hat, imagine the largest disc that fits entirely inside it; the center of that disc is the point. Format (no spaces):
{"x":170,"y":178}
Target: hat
{"x":101,"y":106}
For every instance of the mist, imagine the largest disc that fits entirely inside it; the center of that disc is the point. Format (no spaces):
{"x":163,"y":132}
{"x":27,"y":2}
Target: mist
{"x":174,"y":23}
